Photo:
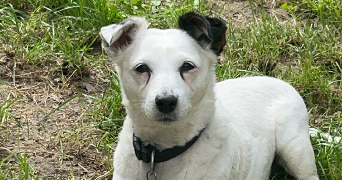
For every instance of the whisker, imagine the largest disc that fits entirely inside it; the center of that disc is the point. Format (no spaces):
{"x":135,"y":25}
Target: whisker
{"x":177,"y":114}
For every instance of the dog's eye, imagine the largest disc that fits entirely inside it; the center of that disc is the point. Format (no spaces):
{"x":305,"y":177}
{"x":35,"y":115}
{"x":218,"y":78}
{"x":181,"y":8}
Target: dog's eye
{"x":141,"y":68}
{"x":187,"y":66}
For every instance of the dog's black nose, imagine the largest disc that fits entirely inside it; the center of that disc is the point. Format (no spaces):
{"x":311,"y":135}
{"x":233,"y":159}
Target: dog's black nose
{"x":166,"y":104}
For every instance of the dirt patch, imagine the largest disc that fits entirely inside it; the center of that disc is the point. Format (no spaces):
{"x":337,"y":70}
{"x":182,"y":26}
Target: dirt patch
{"x":240,"y":13}
{"x":61,"y":145}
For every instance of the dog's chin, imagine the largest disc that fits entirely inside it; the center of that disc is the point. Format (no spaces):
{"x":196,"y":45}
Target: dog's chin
{"x":167,"y":120}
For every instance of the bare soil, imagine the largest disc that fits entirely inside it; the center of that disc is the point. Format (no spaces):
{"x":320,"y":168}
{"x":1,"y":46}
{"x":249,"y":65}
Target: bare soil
{"x":65,"y":141}
{"x":61,"y":143}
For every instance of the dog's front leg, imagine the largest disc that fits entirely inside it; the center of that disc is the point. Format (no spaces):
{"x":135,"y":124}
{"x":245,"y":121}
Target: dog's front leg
{"x":116,"y":176}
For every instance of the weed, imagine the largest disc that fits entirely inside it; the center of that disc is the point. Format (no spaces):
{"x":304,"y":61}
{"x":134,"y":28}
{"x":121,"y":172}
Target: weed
{"x":5,"y":116}
{"x":22,"y":169}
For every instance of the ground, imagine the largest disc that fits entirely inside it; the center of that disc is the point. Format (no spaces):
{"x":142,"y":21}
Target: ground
{"x":51,"y":149}
{"x":65,"y":144}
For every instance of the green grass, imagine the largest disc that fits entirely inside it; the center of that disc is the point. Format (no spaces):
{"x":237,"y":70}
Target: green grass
{"x":20,"y":170}
{"x":5,"y":115}
{"x":305,"y":50}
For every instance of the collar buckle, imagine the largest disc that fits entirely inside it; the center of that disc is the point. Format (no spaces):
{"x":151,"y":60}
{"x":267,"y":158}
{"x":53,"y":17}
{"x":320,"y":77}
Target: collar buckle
{"x":151,"y":171}
{"x":142,"y":152}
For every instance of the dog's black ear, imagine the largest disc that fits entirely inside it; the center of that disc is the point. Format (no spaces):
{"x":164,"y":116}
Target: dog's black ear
{"x":219,"y":29}
{"x":208,"y":32}
{"x":117,"y":37}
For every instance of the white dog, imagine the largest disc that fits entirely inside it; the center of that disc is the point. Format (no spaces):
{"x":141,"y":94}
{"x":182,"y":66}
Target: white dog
{"x":182,"y":125}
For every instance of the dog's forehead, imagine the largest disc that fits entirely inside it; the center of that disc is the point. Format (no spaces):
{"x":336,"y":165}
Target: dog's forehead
{"x":162,"y":48}
{"x":167,"y":40}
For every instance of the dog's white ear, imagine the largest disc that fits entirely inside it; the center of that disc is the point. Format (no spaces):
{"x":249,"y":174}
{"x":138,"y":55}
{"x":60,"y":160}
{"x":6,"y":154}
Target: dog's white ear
{"x":210,"y":33}
{"x":117,"y":37}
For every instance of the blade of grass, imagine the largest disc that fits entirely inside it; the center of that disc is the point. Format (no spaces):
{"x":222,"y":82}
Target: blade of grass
{"x":61,"y":105}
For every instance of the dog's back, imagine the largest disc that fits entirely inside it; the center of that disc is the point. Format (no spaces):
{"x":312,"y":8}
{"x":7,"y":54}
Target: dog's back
{"x":269,"y":116}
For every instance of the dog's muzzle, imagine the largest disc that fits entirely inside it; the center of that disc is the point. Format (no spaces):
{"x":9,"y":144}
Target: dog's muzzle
{"x":166,"y":104}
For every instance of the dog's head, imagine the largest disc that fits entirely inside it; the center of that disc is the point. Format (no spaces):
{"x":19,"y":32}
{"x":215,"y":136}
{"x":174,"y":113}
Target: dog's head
{"x":165,"y":74}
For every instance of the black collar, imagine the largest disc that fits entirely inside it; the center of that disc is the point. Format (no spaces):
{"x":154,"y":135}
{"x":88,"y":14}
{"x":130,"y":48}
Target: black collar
{"x":143,"y":153}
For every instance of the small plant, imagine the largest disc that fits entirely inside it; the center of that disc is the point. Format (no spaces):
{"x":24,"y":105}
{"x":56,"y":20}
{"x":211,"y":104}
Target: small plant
{"x":328,"y":150}
{"x":4,"y":111}
{"x":24,"y":170}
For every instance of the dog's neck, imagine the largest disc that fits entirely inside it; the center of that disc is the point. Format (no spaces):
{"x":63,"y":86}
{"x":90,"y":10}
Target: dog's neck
{"x":178,"y":133}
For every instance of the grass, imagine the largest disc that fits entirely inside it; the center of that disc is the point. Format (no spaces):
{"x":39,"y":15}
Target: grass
{"x":304,"y":50}
{"x":25,"y":171}
{"x":5,"y":115}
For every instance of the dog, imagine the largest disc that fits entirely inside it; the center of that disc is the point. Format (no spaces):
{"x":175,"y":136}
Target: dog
{"x":182,"y":124}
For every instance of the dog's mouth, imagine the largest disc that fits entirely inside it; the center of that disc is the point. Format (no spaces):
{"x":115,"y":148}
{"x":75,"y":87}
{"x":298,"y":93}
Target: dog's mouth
{"x":167,"y":120}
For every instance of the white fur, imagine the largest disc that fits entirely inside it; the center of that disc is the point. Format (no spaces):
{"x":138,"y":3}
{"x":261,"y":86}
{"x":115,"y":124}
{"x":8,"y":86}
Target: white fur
{"x":247,"y":120}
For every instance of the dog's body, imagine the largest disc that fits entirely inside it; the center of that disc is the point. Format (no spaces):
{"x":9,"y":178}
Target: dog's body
{"x":170,"y":94}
